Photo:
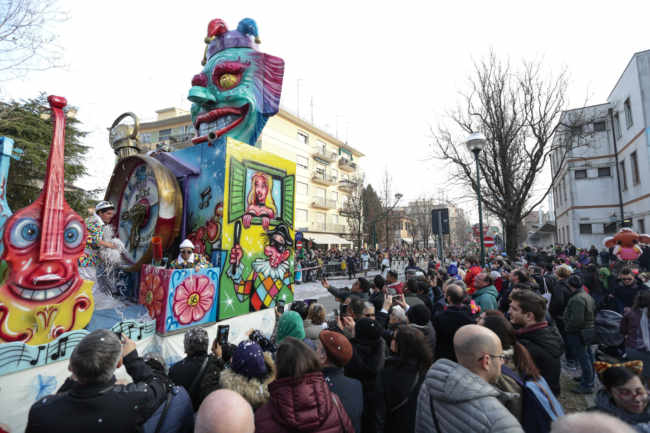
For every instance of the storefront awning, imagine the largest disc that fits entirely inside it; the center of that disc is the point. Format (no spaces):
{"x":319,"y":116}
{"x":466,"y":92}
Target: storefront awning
{"x":326,"y":239}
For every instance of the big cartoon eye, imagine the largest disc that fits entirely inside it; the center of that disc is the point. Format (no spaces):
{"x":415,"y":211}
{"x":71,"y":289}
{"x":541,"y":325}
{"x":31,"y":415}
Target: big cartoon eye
{"x":73,"y":234}
{"x":227,"y":75}
{"x":24,"y":233}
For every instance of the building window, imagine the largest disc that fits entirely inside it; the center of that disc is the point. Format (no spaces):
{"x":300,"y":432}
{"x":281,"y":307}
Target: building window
{"x":635,"y":169}
{"x":301,"y":215}
{"x":335,"y":173}
{"x":617,"y":126}
{"x":585,"y":229}
{"x":302,"y":137}
{"x":302,"y":188}
{"x":302,"y":161}
{"x":609,"y":228}
{"x":581,"y":174}
{"x":333,"y":195}
{"x":564,"y":189}
{"x":604,"y":172}
{"x":164,"y":134}
{"x":628,"y":113}
{"x":600,"y":126}
{"x":623,"y":177}
{"x":641,"y":223}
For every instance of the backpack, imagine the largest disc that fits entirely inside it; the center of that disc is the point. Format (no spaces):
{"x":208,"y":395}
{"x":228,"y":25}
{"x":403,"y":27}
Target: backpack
{"x":174,"y":415}
{"x":539,"y":406}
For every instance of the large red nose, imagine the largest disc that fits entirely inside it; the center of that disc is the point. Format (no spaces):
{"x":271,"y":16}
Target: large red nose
{"x":47,"y":274}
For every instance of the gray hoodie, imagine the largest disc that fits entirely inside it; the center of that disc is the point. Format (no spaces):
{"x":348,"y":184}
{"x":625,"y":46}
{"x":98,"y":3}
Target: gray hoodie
{"x":463,"y":402}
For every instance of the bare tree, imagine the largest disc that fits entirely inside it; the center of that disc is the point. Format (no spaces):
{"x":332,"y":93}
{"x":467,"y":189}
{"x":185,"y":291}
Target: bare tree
{"x":518,"y":111}
{"x":353,"y":210}
{"x":420,"y":213}
{"x":388,"y":204}
{"x":27,"y":38}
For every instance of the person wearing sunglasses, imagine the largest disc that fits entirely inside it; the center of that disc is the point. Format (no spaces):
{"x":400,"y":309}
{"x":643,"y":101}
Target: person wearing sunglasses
{"x":626,"y":290}
{"x":625,"y":393}
{"x":188,"y":259}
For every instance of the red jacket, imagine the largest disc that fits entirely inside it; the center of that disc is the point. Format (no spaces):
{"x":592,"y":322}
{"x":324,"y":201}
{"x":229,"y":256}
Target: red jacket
{"x":469,"y":278}
{"x":305,"y":404}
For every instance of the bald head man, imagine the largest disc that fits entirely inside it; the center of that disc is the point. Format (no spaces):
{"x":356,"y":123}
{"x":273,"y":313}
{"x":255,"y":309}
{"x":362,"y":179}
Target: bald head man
{"x":590,"y":422}
{"x":479,"y":350}
{"x":225,"y":411}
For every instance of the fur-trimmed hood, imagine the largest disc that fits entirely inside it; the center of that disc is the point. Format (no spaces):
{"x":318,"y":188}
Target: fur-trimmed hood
{"x":254,"y":390}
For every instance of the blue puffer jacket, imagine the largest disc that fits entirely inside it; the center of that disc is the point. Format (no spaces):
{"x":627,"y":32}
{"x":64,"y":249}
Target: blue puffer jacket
{"x":486,"y":298}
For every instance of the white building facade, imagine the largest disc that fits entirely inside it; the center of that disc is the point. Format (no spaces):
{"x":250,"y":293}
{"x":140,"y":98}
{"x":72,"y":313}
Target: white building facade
{"x":610,"y":144}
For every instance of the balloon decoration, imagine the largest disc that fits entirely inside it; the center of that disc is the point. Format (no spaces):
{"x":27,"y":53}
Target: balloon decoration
{"x":626,"y":244}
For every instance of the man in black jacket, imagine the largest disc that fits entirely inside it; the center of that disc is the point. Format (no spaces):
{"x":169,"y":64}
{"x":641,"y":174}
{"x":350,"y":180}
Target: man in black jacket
{"x":199,"y":372}
{"x":335,"y":351}
{"x":543,"y":341}
{"x":446,"y":324}
{"x":626,"y":289}
{"x":90,"y":400}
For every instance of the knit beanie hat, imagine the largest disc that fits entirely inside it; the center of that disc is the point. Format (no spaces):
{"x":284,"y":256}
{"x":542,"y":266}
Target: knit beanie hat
{"x":290,"y":325}
{"x":338,"y":347}
{"x":367,"y":330}
{"x":419,"y":314}
{"x":248,"y":360}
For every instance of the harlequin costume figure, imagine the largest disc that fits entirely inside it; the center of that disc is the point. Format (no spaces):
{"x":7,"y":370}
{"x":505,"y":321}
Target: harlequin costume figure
{"x":187,"y":258}
{"x":268,"y":276}
{"x":104,"y":213}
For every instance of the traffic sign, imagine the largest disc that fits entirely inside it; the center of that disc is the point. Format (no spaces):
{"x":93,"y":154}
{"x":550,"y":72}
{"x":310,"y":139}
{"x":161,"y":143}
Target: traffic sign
{"x":488,"y":241}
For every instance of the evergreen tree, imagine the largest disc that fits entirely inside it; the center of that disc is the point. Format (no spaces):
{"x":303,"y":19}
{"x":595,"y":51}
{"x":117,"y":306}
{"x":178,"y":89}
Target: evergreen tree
{"x":29,"y":123}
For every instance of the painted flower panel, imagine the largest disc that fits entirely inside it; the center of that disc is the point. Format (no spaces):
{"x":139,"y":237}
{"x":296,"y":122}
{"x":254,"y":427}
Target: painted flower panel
{"x":193,"y":299}
{"x":152,"y":293}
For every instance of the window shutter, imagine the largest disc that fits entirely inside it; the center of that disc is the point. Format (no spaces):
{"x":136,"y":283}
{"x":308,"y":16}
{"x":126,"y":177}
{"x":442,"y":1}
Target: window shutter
{"x":288,"y":189}
{"x":237,"y":187}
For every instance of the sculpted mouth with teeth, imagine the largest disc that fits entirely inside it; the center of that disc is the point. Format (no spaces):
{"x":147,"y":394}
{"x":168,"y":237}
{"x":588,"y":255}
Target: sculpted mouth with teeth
{"x":42,"y":294}
{"x":219,"y":121}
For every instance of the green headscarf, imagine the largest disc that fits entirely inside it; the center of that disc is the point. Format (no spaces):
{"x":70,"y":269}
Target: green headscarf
{"x":603,"y":275}
{"x":290,"y":325}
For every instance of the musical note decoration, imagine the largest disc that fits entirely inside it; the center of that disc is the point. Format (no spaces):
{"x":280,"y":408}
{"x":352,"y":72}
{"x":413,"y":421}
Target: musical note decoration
{"x":19,"y":356}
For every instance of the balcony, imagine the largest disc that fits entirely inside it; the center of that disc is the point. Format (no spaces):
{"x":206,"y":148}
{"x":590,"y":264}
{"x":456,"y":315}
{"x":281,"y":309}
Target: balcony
{"x":347,"y":185}
{"x":347,"y":165}
{"x":337,"y":228}
{"x":322,"y":203}
{"x":323,"y":178}
{"x":316,"y":226}
{"x":323,"y":154}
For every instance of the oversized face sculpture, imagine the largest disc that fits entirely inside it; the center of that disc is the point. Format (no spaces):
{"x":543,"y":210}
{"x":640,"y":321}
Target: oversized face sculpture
{"x":238,"y":89}
{"x":43,"y":295}
{"x":277,"y":250}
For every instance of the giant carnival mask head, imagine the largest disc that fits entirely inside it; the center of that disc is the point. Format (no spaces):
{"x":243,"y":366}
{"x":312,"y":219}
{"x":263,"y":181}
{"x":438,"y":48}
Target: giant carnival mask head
{"x":43,"y":296}
{"x":626,"y":244}
{"x":239,"y":87}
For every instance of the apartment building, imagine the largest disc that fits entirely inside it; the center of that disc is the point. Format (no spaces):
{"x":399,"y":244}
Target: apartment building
{"x":608,"y":164}
{"x":327,"y":168}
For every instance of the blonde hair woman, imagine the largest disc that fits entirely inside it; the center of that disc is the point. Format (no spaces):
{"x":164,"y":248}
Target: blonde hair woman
{"x":260,"y":200}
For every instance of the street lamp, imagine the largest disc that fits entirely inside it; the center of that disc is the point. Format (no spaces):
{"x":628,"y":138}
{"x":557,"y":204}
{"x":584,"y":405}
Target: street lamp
{"x":475,"y":143}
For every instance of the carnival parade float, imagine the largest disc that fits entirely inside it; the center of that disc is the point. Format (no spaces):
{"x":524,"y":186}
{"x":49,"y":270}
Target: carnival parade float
{"x":231,"y":200}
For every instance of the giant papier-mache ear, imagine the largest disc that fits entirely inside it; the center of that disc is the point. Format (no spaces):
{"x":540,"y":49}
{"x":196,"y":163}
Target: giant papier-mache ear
{"x":272,"y":70}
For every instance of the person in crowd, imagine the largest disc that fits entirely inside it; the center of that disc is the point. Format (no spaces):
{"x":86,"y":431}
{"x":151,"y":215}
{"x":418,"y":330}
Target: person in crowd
{"x":365,"y":259}
{"x":518,"y":361}
{"x":593,"y":284}
{"x":543,"y":341}
{"x":485,"y":294}
{"x":419,"y":317}
{"x":225,"y":411}
{"x":579,"y":325}
{"x":188,"y":259}
{"x":198,"y":372}
{"x":335,"y":351}
{"x":301,"y":399}
{"x":424,"y":292}
{"x":393,"y":285}
{"x":455,"y":316}
{"x":360,"y":288}
{"x":398,"y":383}
{"x":377,"y":292}
{"x":90,"y":400}
{"x":367,"y":360}
{"x":351,"y":263}
{"x":290,"y":324}
{"x":411,"y":295}
{"x":473,"y":269}
{"x":626,"y":289}
{"x":250,"y":373}
{"x":516,"y":278}
{"x":459,"y":397}
{"x":635,"y":327}
{"x":300,"y":307}
{"x":314,"y":322}
{"x":625,"y":394}
{"x":589,"y":422}
{"x":384,"y":259}
{"x":559,"y":298}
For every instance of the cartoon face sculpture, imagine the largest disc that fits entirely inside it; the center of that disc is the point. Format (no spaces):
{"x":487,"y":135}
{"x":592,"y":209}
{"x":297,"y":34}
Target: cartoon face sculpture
{"x":43,"y":295}
{"x":239,"y":87}
{"x":626,"y":244}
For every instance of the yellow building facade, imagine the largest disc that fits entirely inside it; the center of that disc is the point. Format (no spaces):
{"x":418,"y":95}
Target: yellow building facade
{"x":327,"y":169}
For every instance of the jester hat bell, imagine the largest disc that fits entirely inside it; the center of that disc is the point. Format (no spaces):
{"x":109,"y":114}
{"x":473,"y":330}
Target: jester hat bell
{"x":219,"y":38}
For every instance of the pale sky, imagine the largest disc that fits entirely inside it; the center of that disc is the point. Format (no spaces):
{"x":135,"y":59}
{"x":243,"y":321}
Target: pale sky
{"x":384,"y":71}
